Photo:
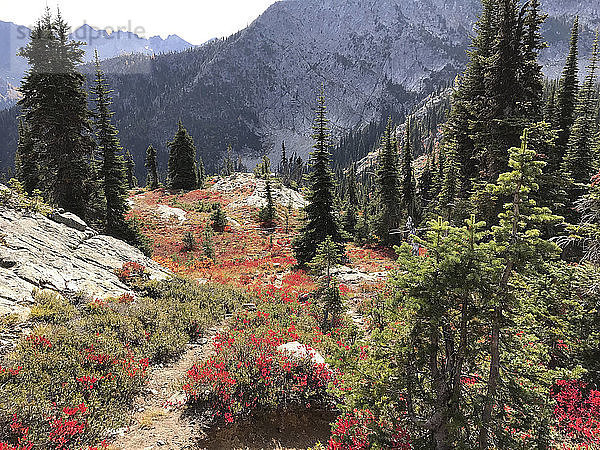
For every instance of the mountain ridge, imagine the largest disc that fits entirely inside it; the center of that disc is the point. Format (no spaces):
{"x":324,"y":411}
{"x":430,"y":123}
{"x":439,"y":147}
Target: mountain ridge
{"x":257,"y":88}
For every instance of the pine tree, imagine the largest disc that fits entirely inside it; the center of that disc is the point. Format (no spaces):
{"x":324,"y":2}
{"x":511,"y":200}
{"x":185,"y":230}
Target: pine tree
{"x":284,"y":167}
{"x":350,"y":219}
{"x":425,"y":185}
{"x":112,"y":167}
{"x":518,"y":246}
{"x":580,"y":160}
{"x":531,"y":104}
{"x":450,"y":187}
{"x":567,"y":92}
{"x":182,"y":166}
{"x":130,"y":169}
{"x":320,"y":220}
{"x":219,"y":218}
{"x":55,"y":111}
{"x":408,"y":189}
{"x":468,"y":105}
{"x":152,"y":169}
{"x":389,"y":196}
{"x":267,"y":214}
{"x":26,"y":162}
{"x":201,"y":173}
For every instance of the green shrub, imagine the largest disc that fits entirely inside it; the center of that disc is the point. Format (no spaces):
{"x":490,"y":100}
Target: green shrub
{"x":51,"y":307}
{"x":85,"y":363}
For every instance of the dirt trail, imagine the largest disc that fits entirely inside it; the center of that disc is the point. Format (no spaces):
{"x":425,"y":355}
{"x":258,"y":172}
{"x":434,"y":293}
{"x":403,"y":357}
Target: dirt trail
{"x":155,"y":424}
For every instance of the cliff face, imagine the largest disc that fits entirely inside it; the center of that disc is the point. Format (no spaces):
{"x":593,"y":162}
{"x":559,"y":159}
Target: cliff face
{"x":63,"y":255}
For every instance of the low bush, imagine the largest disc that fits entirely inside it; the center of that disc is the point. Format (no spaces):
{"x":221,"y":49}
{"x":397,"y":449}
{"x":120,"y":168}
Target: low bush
{"x":360,"y":430}
{"x":76,"y":374}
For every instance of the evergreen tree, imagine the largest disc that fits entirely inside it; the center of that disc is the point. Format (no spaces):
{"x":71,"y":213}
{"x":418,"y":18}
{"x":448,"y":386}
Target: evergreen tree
{"x":580,"y":160}
{"x":531,"y":71}
{"x":267,"y":214}
{"x":408,"y":189}
{"x":518,"y":248}
{"x":219,"y":218}
{"x":468,"y":106}
{"x":550,"y":109}
{"x":130,"y":169}
{"x":567,"y":92}
{"x":201,"y":172}
{"x":152,"y":168}
{"x":425,"y":185}
{"x":26,"y":162}
{"x":350,"y":219}
{"x":112,"y":167}
{"x":320,"y":220}
{"x":389,"y":196}
{"x":55,"y":111}
{"x":450,"y":187}
{"x":182,"y":167}
{"x":284,"y":166}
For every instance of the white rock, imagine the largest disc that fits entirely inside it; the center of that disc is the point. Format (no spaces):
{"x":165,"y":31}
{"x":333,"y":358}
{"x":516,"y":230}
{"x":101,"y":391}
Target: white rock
{"x":301,"y":351}
{"x":166,"y":212}
{"x":41,"y":253}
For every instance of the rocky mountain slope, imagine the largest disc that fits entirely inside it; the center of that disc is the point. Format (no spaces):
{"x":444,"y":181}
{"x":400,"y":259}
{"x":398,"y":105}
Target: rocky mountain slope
{"x":258,"y":87}
{"x":13,"y":37}
{"x":59,"y":253}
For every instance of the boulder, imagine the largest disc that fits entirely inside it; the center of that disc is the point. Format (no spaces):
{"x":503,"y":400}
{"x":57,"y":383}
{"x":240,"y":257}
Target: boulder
{"x":63,"y":255}
{"x":69,"y":219}
{"x":301,"y":351}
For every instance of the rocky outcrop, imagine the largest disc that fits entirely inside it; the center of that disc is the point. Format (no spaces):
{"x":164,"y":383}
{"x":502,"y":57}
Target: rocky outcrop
{"x":63,"y":255}
{"x":241,"y":182}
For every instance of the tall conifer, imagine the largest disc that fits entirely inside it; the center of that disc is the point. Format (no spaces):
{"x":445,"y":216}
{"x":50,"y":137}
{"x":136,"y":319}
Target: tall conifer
{"x":26,"y":161}
{"x":580,"y":161}
{"x":182,"y":167}
{"x":55,"y":110}
{"x":567,"y":92}
{"x":389,"y":196}
{"x":112,"y":167}
{"x":408,"y":189}
{"x":320,"y":220}
{"x":152,"y":168}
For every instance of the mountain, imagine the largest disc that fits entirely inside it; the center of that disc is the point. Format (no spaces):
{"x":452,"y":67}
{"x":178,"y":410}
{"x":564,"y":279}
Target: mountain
{"x":258,"y":87}
{"x":108,"y":45}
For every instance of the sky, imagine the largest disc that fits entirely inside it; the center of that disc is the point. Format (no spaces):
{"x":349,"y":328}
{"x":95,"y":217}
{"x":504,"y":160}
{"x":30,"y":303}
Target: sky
{"x":196,"y":21}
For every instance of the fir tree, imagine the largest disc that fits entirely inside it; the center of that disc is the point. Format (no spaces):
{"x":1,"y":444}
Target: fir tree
{"x":408,"y":190}
{"x":201,"y":172}
{"x":182,"y":167}
{"x":55,"y":110}
{"x":450,"y":182}
{"x":267,"y":214}
{"x":531,"y":71}
{"x":567,"y":92}
{"x":580,"y":160}
{"x":350,"y":219}
{"x":425,"y":185}
{"x":284,"y":167}
{"x":320,"y":220}
{"x":112,"y":167}
{"x":26,"y":162}
{"x":130,"y":169}
{"x":389,"y":197}
{"x":152,"y":169}
{"x":219,"y":218}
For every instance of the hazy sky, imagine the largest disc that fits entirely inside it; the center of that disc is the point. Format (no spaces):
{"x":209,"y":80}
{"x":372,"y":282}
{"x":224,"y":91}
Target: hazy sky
{"x":194,"y":20}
